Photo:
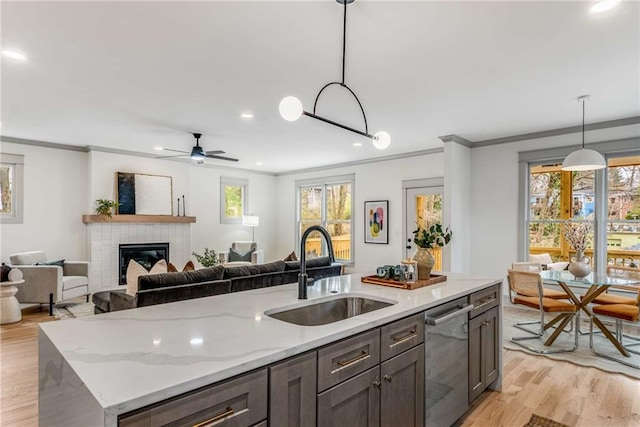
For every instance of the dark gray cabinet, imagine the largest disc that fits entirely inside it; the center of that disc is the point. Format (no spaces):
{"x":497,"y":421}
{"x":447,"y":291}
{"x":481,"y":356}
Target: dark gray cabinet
{"x":484,"y":348}
{"x":354,"y":402}
{"x":292,"y":392}
{"x":402,"y":390}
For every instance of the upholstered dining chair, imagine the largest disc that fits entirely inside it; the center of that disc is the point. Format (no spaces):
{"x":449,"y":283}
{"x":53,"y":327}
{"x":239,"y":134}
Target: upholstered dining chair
{"x":625,"y":273}
{"x":528,"y":290}
{"x":534,"y":267}
{"x":619,"y":313}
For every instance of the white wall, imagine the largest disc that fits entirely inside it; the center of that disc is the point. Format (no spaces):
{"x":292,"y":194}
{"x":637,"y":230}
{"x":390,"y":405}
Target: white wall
{"x":373,"y":181}
{"x":55,"y":188}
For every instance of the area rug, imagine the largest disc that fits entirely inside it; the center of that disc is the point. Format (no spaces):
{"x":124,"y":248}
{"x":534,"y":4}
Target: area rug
{"x":538,"y":421}
{"x":582,"y":356}
{"x":72,"y":310}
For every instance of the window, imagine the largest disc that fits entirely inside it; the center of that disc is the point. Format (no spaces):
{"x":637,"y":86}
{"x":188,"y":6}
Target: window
{"x":623,"y":211}
{"x":327,"y":202}
{"x":11,"y":177}
{"x":233,"y":200}
{"x":556,"y":196}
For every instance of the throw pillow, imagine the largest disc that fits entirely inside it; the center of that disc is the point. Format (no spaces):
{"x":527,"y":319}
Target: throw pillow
{"x":240,"y":256}
{"x":135,"y":270}
{"x":4,"y":273}
{"x":59,"y":263}
{"x":187,"y":267}
{"x":291,"y":257}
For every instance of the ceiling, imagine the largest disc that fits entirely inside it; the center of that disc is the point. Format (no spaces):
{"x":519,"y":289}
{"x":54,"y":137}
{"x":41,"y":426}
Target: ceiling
{"x":135,"y":75}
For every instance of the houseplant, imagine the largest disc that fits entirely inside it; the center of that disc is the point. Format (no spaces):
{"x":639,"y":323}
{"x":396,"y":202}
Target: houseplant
{"x":426,"y":239}
{"x":104,"y":207}
{"x":578,"y":236}
{"x":209,"y":259}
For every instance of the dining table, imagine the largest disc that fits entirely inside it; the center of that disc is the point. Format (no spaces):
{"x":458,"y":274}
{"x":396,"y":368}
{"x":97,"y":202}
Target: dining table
{"x":595,"y":284}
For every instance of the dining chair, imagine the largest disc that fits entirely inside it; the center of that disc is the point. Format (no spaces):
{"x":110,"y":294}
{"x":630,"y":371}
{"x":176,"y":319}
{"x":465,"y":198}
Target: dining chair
{"x":619,"y":313}
{"x":534,"y":267}
{"x":528,"y":290}
{"x":625,"y":273}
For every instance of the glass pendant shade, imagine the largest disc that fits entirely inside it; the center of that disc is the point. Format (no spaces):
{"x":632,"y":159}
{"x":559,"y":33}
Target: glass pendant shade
{"x":381,"y":140}
{"x":584,"y":160}
{"x":290,"y":108}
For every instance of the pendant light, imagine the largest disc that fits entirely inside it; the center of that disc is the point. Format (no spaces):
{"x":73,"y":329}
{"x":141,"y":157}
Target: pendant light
{"x":291,"y":108}
{"x":583,"y":159}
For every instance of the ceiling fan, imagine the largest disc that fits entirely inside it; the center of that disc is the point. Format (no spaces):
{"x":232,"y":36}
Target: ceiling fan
{"x":197,"y":153}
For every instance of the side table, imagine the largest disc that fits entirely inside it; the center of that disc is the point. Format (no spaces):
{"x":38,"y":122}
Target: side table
{"x":9,"y":305}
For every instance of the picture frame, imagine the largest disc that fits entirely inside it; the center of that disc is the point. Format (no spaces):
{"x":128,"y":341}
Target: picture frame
{"x":376,"y":222}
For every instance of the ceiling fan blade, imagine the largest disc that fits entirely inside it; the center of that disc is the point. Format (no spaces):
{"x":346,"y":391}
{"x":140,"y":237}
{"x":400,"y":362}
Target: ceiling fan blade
{"x":215,"y":152}
{"x":168,"y":157}
{"x":213,"y":156}
{"x":175,"y":151}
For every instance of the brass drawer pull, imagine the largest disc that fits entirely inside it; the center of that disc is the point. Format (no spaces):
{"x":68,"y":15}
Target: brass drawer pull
{"x":399,"y":340}
{"x":210,"y":421}
{"x":484,"y":302}
{"x":344,"y":363}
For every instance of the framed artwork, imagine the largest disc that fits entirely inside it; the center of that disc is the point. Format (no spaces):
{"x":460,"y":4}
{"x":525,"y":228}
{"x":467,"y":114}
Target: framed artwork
{"x":143,"y":194}
{"x":376,"y":227}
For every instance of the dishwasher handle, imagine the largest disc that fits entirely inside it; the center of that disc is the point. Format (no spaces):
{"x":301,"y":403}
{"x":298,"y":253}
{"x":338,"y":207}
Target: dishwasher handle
{"x":461,"y":309}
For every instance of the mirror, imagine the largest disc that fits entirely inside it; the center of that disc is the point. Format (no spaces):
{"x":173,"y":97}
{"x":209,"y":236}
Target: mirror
{"x":143,"y":194}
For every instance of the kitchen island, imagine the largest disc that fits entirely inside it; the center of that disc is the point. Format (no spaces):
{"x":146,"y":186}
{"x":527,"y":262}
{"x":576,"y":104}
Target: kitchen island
{"x":93,"y":369}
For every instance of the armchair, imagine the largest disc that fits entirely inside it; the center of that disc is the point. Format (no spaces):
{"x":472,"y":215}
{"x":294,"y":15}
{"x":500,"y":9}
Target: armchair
{"x":547,"y":262}
{"x":48,"y":284}
{"x":243,"y":247}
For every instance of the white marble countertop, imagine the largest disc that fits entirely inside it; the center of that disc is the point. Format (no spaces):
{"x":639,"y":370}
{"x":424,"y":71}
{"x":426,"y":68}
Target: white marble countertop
{"x":129,"y":359}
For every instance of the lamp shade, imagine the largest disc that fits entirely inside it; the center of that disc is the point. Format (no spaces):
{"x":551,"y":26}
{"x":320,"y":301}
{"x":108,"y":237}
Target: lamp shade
{"x":250,"y":220}
{"x":584,"y":160}
{"x":381,"y":140}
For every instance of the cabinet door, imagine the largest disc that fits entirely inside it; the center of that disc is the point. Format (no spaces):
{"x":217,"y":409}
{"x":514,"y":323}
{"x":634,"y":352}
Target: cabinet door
{"x":491,"y":346}
{"x":476,"y":368}
{"x":292,"y":392}
{"x":402,"y":392}
{"x":353,"y":403}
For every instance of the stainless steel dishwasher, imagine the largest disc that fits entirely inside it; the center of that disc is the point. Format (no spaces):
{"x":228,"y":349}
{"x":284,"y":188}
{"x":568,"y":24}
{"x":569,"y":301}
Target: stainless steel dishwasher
{"x":447,"y":362}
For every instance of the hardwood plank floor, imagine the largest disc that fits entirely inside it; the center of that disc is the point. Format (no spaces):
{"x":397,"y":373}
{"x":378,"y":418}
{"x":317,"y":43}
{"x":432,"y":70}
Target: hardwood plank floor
{"x":567,"y":393}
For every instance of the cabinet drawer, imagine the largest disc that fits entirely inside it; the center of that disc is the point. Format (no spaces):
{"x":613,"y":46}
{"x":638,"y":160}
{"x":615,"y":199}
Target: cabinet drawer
{"x":346,"y":358}
{"x":401,"y":335}
{"x":484,"y":300}
{"x":239,"y":402}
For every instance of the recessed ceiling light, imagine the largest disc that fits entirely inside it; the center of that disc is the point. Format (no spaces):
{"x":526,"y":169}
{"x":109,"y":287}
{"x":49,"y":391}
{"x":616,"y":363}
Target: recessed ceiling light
{"x":604,"y":6}
{"x":196,"y":341}
{"x":158,"y":148}
{"x":258,"y":163}
{"x":357,"y":144}
{"x":247,"y":115}
{"x":14,"y":55}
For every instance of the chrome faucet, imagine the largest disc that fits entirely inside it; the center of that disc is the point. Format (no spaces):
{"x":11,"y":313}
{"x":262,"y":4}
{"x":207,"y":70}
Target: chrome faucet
{"x":303,"y":279}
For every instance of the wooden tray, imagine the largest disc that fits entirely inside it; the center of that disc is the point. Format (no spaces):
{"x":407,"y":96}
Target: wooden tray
{"x":375,"y":280}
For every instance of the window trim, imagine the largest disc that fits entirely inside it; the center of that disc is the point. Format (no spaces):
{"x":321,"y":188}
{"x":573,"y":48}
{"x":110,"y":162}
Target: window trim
{"x":324,"y":182}
{"x":609,"y":149}
{"x":233,"y":182}
{"x":17,"y":192}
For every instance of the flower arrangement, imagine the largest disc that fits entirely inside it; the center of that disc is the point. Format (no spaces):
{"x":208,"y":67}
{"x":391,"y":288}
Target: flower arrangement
{"x":209,"y":259}
{"x":578,"y":235}
{"x":432,"y":236}
{"x":104,"y":206}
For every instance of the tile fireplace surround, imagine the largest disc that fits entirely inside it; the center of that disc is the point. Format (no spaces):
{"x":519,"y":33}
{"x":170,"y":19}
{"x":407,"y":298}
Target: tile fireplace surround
{"x":104,"y":239}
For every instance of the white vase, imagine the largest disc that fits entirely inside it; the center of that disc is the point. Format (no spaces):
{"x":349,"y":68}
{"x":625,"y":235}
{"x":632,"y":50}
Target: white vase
{"x":579,"y":268}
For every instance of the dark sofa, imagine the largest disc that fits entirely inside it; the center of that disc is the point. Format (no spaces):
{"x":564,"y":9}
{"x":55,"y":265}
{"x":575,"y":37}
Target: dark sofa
{"x":170,"y":287}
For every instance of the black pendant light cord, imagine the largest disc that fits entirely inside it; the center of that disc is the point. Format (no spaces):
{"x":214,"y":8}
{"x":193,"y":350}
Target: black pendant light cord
{"x":344,"y":85}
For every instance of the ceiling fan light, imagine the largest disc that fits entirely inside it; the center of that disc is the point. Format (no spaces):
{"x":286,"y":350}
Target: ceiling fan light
{"x":381,"y":140}
{"x":584,"y":159}
{"x":290,"y":108}
{"x":197,"y":153}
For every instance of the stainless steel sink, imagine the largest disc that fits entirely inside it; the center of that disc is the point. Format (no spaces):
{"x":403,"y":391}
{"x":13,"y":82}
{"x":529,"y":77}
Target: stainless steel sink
{"x":328,"y":311}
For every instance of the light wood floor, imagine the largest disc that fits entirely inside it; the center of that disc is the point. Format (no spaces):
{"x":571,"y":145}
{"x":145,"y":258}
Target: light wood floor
{"x":561,"y":391}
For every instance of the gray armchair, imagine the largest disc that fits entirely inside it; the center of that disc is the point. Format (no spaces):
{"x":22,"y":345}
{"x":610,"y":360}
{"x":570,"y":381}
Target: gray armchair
{"x":257,"y":256}
{"x":49,"y":284}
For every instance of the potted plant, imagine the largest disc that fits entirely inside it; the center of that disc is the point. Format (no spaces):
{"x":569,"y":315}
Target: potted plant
{"x":426,"y":239}
{"x":209,"y":259}
{"x":104,"y":206}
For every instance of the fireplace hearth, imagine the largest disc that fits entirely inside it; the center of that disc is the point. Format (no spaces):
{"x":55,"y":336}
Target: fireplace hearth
{"x":145,"y":254}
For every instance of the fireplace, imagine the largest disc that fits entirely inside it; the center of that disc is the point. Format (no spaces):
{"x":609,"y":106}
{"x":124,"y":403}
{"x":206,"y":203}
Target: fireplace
{"x":145,"y":254}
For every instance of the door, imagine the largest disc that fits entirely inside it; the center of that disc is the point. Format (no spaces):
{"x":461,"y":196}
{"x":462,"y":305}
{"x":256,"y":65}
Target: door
{"x":423,"y":205}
